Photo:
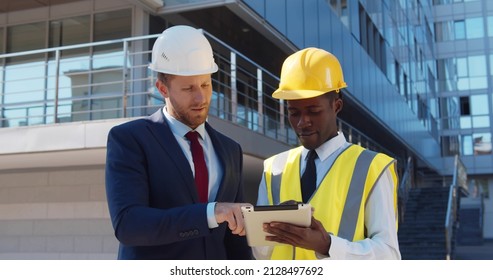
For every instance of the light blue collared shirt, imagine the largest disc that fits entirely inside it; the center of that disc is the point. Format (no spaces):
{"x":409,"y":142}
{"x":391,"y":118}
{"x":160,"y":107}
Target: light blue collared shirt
{"x":211,"y":159}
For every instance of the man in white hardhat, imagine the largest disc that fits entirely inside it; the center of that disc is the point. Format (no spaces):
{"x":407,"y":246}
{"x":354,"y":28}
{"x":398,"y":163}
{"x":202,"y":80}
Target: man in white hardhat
{"x":173,"y":183}
{"x":353,"y":191}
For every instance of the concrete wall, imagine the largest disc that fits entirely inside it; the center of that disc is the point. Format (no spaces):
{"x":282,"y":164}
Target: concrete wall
{"x":55,"y":213}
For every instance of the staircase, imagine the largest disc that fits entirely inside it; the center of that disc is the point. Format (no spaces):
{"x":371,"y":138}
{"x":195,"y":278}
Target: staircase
{"x":470,"y":226}
{"x":422,"y":229}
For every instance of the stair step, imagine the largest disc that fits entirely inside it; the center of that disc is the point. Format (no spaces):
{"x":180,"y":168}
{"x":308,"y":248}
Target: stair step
{"x":422,"y":229}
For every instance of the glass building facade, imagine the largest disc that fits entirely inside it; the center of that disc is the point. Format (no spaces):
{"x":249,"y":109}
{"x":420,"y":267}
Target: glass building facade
{"x":419,"y":75}
{"x":432,"y":56}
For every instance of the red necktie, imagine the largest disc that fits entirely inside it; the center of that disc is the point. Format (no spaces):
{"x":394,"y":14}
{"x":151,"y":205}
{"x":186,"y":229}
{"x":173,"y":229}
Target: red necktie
{"x":201,"y":174}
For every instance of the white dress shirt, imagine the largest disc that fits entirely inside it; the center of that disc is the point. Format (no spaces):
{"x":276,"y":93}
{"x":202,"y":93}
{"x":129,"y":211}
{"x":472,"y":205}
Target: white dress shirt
{"x":179,"y":130}
{"x":380,"y":216}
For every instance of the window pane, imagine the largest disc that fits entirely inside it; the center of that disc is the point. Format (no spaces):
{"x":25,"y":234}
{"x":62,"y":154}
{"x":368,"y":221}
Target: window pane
{"x":20,"y":104}
{"x":465,"y":122}
{"x":466,"y":149}
{"x":450,"y":145}
{"x":444,"y":31}
{"x":490,"y":26}
{"x":478,"y":83}
{"x":345,"y":13}
{"x":26,"y":37}
{"x":482,"y":143}
{"x":459,"y":30}
{"x":481,"y":121}
{"x":474,"y":28}
{"x":491,"y":64}
{"x":333,"y":5}
{"x":479,"y":104}
{"x":477,"y":66}
{"x":461,"y":64}
{"x":70,"y":32}
{"x":112,"y":25}
{"x":462,"y":84}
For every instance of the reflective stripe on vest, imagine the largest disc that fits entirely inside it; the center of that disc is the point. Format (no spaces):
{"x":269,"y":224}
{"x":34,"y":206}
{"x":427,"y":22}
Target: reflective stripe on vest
{"x":355,"y":195}
{"x":278,"y":163}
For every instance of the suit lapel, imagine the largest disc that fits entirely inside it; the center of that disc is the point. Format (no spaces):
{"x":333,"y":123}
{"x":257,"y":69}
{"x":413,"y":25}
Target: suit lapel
{"x":161,"y":131}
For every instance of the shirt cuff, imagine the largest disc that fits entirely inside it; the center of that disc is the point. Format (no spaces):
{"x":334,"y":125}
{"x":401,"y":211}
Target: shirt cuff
{"x":338,"y":248}
{"x":325,"y":256}
{"x":211,"y":217}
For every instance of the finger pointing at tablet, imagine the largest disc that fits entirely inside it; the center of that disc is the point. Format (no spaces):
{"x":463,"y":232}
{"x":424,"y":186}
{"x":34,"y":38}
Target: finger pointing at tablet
{"x":231,"y":213}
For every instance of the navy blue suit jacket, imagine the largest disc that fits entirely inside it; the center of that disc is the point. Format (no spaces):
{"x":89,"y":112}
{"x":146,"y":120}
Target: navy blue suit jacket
{"x":152,"y":197}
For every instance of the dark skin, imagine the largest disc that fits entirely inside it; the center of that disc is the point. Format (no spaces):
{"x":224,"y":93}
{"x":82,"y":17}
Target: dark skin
{"x":315,"y":122}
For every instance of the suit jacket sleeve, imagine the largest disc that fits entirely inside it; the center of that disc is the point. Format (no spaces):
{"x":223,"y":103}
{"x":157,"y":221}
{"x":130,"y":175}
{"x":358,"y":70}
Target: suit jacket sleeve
{"x":142,"y":209}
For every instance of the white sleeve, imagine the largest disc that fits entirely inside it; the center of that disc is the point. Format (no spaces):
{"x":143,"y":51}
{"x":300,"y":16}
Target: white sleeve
{"x":262,"y":252}
{"x":262,"y":198}
{"x":380,"y":223}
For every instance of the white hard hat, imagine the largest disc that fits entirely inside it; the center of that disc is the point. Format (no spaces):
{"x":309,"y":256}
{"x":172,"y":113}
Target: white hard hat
{"x":182,"y":50}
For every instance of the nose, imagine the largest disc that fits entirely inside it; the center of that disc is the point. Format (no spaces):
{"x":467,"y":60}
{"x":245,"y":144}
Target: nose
{"x":200,"y":95}
{"x":304,"y":121}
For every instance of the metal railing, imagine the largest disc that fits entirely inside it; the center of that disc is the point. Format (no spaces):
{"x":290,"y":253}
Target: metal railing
{"x":110,"y":79}
{"x":459,"y":181}
{"x":405,"y":186}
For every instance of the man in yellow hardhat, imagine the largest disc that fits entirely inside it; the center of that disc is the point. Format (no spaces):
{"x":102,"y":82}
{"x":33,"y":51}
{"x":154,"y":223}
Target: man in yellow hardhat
{"x":353,"y":191}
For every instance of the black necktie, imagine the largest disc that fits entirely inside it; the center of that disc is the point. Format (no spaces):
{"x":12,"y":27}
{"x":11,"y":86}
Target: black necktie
{"x":309,"y":178}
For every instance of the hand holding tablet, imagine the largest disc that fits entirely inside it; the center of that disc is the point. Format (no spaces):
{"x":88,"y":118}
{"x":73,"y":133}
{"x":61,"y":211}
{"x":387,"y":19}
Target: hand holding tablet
{"x":255,"y":216}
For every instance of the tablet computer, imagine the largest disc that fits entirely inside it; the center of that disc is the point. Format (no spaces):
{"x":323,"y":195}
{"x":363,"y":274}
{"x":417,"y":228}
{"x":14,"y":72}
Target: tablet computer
{"x":255,"y":216}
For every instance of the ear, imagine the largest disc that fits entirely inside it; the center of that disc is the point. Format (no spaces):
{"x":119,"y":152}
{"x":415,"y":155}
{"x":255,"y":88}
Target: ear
{"x":162,"y":88}
{"x":338,"y":104}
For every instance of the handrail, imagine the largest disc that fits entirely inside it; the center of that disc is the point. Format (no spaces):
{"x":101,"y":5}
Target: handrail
{"x":78,"y":46}
{"x":128,"y":88}
{"x":459,"y":181}
{"x":449,"y":219}
{"x":404,"y":188}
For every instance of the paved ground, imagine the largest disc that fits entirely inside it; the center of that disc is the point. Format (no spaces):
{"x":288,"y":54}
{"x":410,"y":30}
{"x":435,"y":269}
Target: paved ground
{"x":479,"y":252}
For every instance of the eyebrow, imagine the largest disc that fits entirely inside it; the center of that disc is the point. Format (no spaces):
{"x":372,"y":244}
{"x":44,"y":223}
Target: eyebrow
{"x":308,"y":107}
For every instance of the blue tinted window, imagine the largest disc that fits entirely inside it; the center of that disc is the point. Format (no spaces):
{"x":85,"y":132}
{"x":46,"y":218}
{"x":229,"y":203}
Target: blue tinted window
{"x":477,"y":66}
{"x":479,"y":104}
{"x":475,"y":28}
{"x":295,"y":22}
{"x":459,"y":30}
{"x":275,"y":13}
{"x":490,"y":26}
{"x":311,"y":23}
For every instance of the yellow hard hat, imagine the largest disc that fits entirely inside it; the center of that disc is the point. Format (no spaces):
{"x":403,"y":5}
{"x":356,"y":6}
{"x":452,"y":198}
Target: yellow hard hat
{"x":309,"y":73}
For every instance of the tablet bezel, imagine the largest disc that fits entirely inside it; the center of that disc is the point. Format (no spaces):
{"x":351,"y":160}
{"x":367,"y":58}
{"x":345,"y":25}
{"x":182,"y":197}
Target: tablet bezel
{"x":255,"y":216}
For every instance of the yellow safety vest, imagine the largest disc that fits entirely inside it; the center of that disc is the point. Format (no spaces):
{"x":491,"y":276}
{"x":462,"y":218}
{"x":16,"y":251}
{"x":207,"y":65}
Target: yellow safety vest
{"x":339,"y":201}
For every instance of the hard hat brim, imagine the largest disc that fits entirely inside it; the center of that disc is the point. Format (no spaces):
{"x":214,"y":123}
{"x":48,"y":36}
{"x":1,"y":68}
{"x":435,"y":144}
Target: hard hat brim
{"x":296,"y":94}
{"x":182,"y":73}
